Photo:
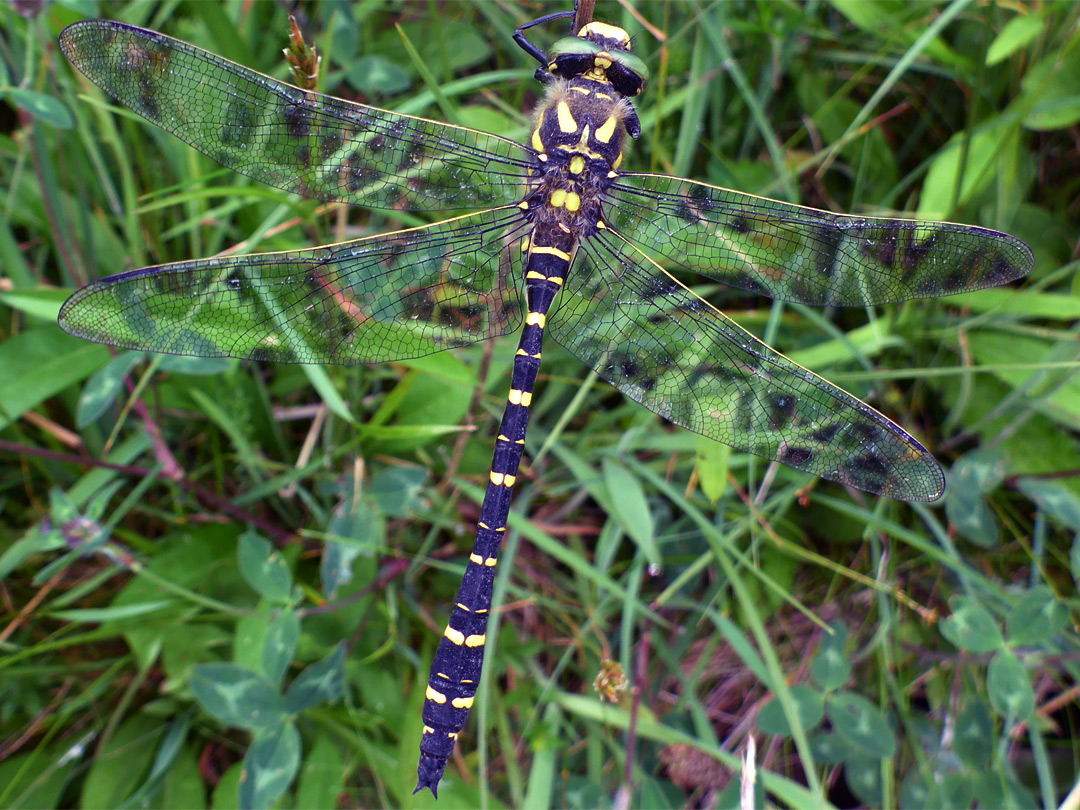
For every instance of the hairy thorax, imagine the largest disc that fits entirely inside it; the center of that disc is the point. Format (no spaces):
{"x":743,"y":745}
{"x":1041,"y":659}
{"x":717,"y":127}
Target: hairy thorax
{"x":578,"y":134}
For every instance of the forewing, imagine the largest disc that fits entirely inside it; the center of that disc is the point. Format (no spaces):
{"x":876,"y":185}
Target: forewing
{"x":793,"y":253}
{"x":387,"y":297}
{"x":293,"y":139}
{"x":664,"y":347}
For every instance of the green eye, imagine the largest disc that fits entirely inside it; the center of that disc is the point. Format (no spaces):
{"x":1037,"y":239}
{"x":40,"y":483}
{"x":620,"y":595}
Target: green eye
{"x":573,"y":47}
{"x":632,"y":63}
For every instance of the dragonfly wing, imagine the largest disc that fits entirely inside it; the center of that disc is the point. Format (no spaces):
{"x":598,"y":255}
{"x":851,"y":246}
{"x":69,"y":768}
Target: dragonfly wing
{"x":387,"y":297}
{"x":297,"y":140}
{"x":793,"y":253}
{"x":661,"y":345}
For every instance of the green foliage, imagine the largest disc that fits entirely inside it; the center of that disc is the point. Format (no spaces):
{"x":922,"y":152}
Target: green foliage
{"x":223,"y":583}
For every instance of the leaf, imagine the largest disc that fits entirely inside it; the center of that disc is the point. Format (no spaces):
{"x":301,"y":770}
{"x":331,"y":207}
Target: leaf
{"x":103,"y":387}
{"x":974,"y":736}
{"x":711,"y":463}
{"x":23,"y":784}
{"x":270,"y":764}
{"x":1055,"y":500}
{"x":376,"y":74}
{"x":40,"y":363}
{"x":194,"y":366}
{"x":236,"y":696}
{"x":861,"y":724}
{"x":969,"y":479}
{"x":395,"y":491}
{"x":809,"y":706}
{"x":863,"y":775}
{"x":973,"y":629}
{"x":630,"y":508}
{"x":1074,"y":560}
{"x":1036,"y":618}
{"x":322,"y":775}
{"x":263,"y":568}
{"x":322,"y":682}
{"x":1009,"y":687}
{"x":43,"y":107}
{"x":917,"y":790}
{"x":830,"y":668}
{"x":280,"y":644}
{"x":365,"y":529}
{"x":124,"y":761}
{"x":973,"y":168}
{"x":1017,"y":33}
{"x":829,"y":747}
{"x":1050,"y":91}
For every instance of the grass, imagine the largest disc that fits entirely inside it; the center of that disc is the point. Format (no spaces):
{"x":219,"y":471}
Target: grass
{"x":168,"y":524}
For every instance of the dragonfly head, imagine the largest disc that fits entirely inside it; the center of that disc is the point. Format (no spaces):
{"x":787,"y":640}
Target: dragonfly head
{"x":600,"y":52}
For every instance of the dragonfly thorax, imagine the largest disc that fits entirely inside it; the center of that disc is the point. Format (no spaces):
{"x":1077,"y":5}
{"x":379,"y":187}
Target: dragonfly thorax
{"x":582,"y":117}
{"x":579,"y":135}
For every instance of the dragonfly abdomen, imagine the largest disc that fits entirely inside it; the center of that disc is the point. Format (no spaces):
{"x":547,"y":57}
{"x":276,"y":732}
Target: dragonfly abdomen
{"x":455,"y":672}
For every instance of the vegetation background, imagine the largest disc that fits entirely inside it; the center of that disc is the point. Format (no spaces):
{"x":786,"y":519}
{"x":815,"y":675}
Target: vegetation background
{"x":186,"y":542}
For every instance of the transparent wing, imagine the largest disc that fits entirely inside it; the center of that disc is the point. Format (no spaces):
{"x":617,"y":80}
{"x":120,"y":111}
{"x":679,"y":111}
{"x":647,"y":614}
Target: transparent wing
{"x":792,"y":253}
{"x":387,"y":297}
{"x":664,"y":347}
{"x":297,"y":140}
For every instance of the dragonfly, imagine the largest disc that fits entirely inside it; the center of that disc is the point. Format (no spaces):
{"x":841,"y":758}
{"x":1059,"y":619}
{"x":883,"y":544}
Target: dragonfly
{"x":558,"y":240}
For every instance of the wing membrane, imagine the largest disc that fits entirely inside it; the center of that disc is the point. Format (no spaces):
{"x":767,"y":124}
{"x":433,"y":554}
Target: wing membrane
{"x":293,"y":139}
{"x":793,"y":253}
{"x":664,"y":347}
{"x":387,"y":297}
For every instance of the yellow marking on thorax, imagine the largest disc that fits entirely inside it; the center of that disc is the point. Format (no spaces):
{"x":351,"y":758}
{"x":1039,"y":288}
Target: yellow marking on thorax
{"x":438,"y":697}
{"x":607,"y":130}
{"x":557,"y":198}
{"x":566,"y":118}
{"x":532,"y":274}
{"x":577,"y":164}
{"x":537,"y":141}
{"x":573,"y":201}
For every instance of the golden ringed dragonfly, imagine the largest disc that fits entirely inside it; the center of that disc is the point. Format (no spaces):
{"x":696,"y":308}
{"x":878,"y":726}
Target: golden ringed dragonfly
{"x":562,"y":241}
